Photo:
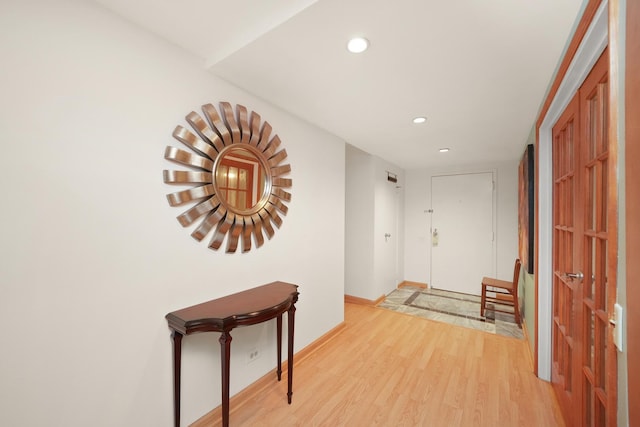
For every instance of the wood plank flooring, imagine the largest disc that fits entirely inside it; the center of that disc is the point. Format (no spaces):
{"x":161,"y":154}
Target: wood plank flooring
{"x":391,"y":369}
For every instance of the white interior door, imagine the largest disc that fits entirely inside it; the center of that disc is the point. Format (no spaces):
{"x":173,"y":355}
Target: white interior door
{"x":387,"y":205}
{"x":462,"y":231}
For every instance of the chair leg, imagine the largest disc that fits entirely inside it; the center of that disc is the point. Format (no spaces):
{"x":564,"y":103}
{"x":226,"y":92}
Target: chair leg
{"x":482,"y":300}
{"x":516,"y":310}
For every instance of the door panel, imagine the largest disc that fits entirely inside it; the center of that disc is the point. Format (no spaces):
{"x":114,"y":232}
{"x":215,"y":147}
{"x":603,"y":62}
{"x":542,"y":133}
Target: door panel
{"x":631,"y":213}
{"x":462,"y":245}
{"x":597,"y":350}
{"x":387,"y":264}
{"x":583,"y":355}
{"x":237,"y":182}
{"x":566,"y":260}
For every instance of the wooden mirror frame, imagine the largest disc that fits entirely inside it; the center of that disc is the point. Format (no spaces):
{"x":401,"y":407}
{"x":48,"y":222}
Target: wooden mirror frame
{"x":213,"y":138}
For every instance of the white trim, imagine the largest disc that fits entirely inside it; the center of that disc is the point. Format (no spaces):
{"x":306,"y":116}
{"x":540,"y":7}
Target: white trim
{"x":593,"y":44}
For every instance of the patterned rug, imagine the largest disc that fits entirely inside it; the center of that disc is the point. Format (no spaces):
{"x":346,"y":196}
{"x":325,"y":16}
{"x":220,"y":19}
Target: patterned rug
{"x":450,"y":307}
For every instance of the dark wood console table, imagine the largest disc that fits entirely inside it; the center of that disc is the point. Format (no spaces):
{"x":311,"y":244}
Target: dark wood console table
{"x":222,"y":315}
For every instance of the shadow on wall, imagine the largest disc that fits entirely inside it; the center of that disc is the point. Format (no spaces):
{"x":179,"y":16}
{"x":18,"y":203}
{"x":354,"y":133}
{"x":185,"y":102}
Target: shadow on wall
{"x":527,"y":290}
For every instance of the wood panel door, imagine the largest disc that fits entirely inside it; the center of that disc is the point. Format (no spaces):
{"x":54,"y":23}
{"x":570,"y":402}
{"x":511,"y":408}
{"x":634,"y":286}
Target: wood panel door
{"x":632,"y":211}
{"x":237,"y":182}
{"x":598,"y":373}
{"x":566,"y":197}
{"x":583,"y":355}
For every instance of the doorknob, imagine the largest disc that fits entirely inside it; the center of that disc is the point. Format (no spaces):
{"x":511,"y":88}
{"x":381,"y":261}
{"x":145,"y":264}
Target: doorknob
{"x":578,"y":275}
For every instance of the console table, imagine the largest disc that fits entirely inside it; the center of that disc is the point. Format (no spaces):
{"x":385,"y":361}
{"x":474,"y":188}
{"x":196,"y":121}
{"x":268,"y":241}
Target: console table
{"x":222,"y":315}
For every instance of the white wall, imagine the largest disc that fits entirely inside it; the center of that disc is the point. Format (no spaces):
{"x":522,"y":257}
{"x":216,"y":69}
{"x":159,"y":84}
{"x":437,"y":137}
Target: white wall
{"x":359,"y":208}
{"x":417,"y":225}
{"x":92,"y":257}
{"x":374,"y":207}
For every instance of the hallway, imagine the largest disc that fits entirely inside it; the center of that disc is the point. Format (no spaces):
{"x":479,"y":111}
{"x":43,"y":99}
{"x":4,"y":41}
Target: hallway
{"x":392,"y":369}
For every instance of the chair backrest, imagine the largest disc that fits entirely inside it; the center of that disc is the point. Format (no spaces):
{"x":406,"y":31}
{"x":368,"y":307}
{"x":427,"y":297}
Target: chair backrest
{"x":516,"y":275}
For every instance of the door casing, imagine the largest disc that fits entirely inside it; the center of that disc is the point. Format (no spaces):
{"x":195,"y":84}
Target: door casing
{"x":591,"y":46}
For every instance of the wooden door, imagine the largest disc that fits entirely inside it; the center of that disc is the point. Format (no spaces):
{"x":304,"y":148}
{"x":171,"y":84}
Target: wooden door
{"x":632,"y":211}
{"x":583,"y":355}
{"x":566,"y":197}
{"x":235,"y":179}
{"x":598,"y":371}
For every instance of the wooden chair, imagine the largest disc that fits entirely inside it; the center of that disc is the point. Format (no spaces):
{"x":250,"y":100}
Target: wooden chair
{"x":501,"y":293}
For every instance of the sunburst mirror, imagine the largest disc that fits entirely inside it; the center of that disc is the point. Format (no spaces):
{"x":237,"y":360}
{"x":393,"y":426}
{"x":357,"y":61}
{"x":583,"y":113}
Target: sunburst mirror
{"x":236,"y":177}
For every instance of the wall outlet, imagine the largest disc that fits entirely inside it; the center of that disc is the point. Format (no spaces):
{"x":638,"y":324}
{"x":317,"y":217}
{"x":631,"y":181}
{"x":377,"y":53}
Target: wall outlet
{"x":253,"y":354}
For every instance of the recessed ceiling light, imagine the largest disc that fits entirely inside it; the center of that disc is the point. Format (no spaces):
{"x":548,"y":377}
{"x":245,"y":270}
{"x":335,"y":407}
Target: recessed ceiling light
{"x":443,"y":150}
{"x":419,"y":120}
{"x":357,"y":45}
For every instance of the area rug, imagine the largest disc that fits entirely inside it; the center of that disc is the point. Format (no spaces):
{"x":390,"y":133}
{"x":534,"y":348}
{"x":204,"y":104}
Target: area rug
{"x":450,"y":307}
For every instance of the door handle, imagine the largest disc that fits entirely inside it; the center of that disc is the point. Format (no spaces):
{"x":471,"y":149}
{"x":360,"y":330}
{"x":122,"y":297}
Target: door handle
{"x":577,"y":276}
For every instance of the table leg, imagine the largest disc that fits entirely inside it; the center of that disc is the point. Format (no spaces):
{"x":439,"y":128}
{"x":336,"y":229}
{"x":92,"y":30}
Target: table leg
{"x":291,"y":319}
{"x":177,"y":357}
{"x":279,"y":341}
{"x":225,"y":357}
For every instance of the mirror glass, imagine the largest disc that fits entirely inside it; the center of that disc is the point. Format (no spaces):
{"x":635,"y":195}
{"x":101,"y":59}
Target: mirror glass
{"x":240,"y":179}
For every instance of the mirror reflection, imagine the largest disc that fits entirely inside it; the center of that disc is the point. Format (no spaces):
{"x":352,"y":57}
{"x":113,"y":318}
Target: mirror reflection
{"x":240,"y":179}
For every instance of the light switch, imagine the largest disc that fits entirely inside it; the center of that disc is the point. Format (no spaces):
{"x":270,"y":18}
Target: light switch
{"x":617,"y":330}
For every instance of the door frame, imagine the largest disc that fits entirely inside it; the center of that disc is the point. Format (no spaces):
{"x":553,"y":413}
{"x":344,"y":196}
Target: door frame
{"x":589,"y":43}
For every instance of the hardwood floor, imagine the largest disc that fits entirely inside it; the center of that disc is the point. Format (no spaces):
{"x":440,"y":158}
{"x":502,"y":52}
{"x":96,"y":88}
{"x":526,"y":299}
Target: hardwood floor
{"x":391,"y":369}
